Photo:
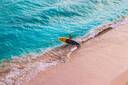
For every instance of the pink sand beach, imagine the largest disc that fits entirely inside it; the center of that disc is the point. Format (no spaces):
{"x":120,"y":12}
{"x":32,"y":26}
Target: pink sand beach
{"x":102,"y":60}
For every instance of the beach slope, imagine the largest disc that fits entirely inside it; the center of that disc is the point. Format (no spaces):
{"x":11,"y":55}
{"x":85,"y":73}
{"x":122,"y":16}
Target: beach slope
{"x":100,"y":61}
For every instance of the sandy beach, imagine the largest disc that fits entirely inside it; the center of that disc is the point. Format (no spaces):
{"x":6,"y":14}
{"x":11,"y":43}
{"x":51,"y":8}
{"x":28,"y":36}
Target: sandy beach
{"x":100,"y":61}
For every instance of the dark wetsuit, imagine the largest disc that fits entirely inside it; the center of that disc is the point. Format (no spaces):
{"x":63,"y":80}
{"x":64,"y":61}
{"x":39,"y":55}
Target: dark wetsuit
{"x":72,"y":42}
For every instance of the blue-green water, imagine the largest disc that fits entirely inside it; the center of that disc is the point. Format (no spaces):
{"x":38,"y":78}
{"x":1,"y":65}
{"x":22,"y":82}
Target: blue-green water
{"x":28,"y":26}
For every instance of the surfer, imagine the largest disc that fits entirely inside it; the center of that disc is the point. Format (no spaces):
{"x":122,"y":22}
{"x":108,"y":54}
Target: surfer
{"x":69,"y":41}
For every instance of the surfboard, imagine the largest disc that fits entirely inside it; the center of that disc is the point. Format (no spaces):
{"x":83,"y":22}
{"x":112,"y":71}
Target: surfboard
{"x":71,"y":42}
{"x":62,"y":39}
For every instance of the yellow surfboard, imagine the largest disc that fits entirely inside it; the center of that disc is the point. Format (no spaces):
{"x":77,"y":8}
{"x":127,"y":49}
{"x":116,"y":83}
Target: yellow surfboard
{"x":71,"y":42}
{"x":63,"y":39}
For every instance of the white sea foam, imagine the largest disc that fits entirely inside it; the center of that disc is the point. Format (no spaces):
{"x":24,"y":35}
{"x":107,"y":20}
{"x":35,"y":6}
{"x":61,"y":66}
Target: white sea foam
{"x":17,"y":76}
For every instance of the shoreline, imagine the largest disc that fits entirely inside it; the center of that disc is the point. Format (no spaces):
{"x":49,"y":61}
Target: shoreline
{"x":13,"y":72}
{"x":100,"y":61}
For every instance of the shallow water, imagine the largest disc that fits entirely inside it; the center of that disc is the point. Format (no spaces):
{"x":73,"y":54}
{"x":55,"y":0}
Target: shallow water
{"x":30,"y":26}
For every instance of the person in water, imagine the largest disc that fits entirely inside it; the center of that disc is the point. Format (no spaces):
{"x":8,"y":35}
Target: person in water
{"x":69,"y":41}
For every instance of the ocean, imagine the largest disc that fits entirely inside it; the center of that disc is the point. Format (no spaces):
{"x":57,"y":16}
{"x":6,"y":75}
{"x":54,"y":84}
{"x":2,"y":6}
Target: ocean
{"x":32,"y":26}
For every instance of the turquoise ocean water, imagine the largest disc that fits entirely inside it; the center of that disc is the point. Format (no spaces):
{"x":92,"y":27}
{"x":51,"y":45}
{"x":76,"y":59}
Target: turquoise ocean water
{"x":30,"y":26}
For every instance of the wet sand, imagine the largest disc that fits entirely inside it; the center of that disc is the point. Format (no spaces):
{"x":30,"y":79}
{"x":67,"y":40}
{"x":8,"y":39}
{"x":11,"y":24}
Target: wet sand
{"x":100,"y":61}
